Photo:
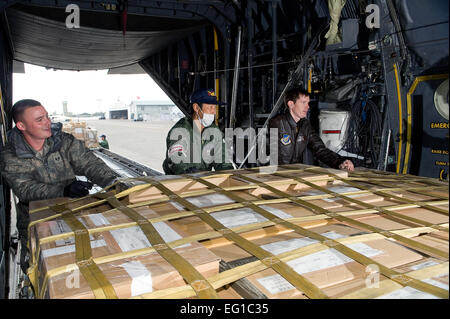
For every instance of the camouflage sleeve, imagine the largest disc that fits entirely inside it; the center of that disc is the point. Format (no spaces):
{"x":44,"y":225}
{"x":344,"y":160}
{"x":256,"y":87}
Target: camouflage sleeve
{"x":20,"y":178}
{"x":85,"y":163}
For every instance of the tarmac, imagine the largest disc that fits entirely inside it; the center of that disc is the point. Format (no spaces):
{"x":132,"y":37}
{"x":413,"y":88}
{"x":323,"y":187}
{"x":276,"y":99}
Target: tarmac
{"x":143,"y":142}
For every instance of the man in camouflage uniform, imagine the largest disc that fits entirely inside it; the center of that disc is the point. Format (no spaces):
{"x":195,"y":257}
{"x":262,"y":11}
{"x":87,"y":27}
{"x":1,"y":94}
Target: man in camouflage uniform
{"x":196,"y":144}
{"x":41,"y":162}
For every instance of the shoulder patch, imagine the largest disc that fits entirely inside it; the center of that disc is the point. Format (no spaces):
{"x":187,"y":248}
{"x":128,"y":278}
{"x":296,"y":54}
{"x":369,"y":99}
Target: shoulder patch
{"x":286,"y":139}
{"x":175,"y":148}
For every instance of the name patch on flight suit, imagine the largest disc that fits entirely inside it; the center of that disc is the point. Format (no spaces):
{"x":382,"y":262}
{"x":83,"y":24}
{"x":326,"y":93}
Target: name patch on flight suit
{"x":286,"y":139}
{"x":176,"y":148}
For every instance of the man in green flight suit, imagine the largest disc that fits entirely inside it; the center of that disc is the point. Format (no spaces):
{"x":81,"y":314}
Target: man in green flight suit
{"x":196,"y":144}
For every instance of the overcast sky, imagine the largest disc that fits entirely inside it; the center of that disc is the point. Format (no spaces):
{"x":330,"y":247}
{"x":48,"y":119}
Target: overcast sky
{"x":85,"y":91}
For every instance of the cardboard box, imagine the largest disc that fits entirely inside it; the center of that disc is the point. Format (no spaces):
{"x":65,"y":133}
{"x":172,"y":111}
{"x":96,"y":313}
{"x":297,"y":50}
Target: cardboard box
{"x":137,"y":275}
{"x":234,"y":217}
{"x":79,"y":133}
{"x":334,"y":273}
{"x":91,"y":140}
{"x":129,"y":276}
{"x":286,"y":184}
{"x":433,"y":241}
{"x":82,"y":132}
{"x":328,"y":269}
{"x":182,"y":186}
{"x":67,"y":127}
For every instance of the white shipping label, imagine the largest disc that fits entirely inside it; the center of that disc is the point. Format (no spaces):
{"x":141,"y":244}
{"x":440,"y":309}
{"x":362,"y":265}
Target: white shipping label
{"x":358,"y":247}
{"x":332,"y":235}
{"x":316,"y":192}
{"x":365,"y":249}
{"x":288,"y":245}
{"x":99,"y":220}
{"x":275,"y":284}
{"x":345,"y":189}
{"x":336,"y":189}
{"x":291,"y":244}
{"x":210,"y":200}
{"x":168,"y":234}
{"x":277,"y":212}
{"x":141,"y":278}
{"x":78,"y":130}
{"x":132,"y":238}
{"x":238,"y":217}
{"x":69,"y":249}
{"x":407,"y":293}
{"x":329,"y":258}
{"x":423,"y":265}
{"x":321,"y":260}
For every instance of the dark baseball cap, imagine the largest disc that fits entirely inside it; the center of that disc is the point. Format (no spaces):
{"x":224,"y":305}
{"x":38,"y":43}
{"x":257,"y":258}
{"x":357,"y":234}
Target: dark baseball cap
{"x":207,"y":96}
{"x":103,"y":135}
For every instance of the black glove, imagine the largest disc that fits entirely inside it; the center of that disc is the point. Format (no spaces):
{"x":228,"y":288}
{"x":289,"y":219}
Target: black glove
{"x":77,"y":189}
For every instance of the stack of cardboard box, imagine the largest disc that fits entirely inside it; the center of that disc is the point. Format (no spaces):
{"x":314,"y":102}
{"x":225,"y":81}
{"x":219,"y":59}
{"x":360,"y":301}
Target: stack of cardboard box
{"x":82,"y":132}
{"x":129,"y":274}
{"x":299,"y":233}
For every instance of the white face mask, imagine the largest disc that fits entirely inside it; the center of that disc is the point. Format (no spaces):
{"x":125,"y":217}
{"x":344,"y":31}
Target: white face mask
{"x":207,"y":119}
